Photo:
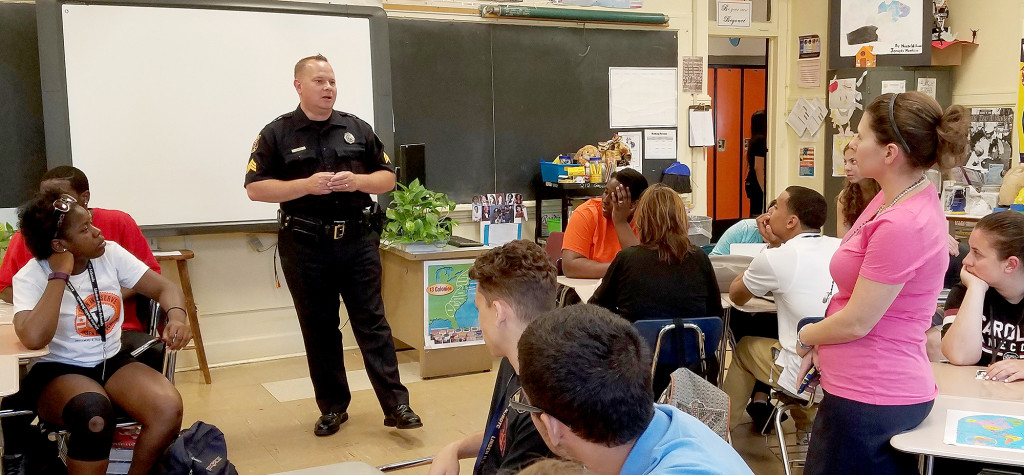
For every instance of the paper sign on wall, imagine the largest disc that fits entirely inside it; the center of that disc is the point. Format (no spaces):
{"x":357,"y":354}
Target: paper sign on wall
{"x":807,"y":160}
{"x":894,"y":87}
{"x":734,"y":14}
{"x":927,"y":86}
{"x":660,"y":144}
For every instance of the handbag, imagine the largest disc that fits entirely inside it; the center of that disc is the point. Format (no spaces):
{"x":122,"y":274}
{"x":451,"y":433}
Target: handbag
{"x":695,"y":396}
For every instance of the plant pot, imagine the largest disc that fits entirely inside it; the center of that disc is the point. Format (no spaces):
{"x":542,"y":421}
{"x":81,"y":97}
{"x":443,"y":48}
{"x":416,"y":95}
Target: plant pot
{"x":420,"y":247}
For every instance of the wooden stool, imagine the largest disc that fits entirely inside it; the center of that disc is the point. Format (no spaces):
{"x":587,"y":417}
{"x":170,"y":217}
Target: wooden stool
{"x":181,"y":258}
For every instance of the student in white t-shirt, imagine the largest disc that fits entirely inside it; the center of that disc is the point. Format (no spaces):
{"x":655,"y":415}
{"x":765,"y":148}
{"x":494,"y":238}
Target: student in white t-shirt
{"x":794,"y":269}
{"x":69,"y":299}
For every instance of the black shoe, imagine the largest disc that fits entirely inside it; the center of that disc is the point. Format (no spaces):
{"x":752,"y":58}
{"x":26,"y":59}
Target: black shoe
{"x":762,"y":414}
{"x":402,"y":417}
{"x":329,"y":423}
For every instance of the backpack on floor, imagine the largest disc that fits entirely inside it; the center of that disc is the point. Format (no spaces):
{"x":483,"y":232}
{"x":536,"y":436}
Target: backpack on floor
{"x":199,"y":450}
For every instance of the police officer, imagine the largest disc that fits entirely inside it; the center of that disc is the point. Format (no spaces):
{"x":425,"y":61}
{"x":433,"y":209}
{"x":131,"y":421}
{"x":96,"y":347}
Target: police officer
{"x":321,"y":165}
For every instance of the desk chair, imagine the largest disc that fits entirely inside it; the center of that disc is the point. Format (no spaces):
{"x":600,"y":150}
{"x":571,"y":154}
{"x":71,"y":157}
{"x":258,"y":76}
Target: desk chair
{"x":684,"y":348}
{"x":793,"y":454}
{"x":688,"y":390}
{"x":554,"y":249}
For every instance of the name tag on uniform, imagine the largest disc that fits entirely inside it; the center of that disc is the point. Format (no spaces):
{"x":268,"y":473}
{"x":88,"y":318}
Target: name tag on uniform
{"x":294,"y":150}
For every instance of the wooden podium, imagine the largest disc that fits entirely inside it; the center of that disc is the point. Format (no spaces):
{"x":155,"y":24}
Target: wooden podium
{"x":181,"y":259}
{"x":403,"y":288}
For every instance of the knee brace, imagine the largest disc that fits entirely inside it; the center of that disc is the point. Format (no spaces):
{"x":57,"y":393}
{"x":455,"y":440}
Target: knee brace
{"x":89,"y":419}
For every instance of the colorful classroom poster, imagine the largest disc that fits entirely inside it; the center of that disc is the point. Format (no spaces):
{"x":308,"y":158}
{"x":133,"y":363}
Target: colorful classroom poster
{"x":450,"y":315}
{"x":1020,"y":98}
{"x":889,"y":26}
{"x":990,"y":135}
{"x":807,"y":160}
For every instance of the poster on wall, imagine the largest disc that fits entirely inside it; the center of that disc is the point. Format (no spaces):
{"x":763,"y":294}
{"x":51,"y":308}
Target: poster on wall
{"x":1020,"y":99}
{"x":888,"y":26}
{"x":991,"y":129}
{"x":807,"y":161}
{"x":839,"y":142}
{"x":450,"y":315}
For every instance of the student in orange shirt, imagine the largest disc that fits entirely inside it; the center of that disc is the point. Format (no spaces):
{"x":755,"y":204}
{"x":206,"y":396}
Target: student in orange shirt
{"x":601,"y":227}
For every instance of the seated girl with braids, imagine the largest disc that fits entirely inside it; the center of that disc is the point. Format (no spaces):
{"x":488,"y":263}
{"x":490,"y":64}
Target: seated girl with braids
{"x":69,"y":298}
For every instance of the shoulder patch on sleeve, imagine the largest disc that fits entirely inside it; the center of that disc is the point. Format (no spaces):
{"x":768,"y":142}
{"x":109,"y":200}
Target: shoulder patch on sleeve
{"x":387,"y":159}
{"x":255,"y":144}
{"x":251,"y":167}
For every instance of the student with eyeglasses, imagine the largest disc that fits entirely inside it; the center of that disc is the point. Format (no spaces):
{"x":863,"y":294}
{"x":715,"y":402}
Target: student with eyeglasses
{"x":69,"y":299}
{"x":515,"y":284}
{"x":871,"y":346}
{"x":586,"y":376}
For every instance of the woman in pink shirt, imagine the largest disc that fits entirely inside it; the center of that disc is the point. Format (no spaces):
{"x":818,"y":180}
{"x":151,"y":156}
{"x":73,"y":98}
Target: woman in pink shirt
{"x":888,"y":272}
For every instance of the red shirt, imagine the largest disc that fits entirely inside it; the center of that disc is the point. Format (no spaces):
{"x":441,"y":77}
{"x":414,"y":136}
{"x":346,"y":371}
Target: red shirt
{"x":116,"y":226}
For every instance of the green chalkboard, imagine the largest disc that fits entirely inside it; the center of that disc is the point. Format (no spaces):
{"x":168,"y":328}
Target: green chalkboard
{"x":490,"y":100}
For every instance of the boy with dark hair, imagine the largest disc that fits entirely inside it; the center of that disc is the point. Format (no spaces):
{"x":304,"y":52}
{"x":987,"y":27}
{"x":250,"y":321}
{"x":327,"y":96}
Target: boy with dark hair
{"x":515,"y":284}
{"x":587,"y":385}
{"x":794,"y":269}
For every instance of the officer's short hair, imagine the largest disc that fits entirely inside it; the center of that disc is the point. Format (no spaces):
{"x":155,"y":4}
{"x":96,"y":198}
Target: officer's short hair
{"x":302,"y":62}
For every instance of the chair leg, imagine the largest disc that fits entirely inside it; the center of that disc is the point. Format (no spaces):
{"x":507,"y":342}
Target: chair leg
{"x":782,"y":439}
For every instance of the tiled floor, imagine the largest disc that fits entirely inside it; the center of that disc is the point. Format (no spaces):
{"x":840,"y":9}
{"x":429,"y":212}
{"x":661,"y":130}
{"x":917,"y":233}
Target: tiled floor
{"x":267,"y":435}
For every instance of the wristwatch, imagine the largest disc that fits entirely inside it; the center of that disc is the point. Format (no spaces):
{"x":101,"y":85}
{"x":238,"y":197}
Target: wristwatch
{"x":800,"y":343}
{"x":59,"y":275}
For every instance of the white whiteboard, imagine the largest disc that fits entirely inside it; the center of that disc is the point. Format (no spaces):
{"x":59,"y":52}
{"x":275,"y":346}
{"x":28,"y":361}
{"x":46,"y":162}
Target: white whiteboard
{"x":164,"y":103}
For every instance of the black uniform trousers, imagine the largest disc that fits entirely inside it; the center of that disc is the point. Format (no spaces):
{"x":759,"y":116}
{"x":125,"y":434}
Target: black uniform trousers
{"x":317,"y":272}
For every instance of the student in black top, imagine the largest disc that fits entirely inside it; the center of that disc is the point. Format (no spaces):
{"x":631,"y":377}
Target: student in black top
{"x":987,"y":307}
{"x":515,"y":284}
{"x":757,"y":155}
{"x":665,"y":276}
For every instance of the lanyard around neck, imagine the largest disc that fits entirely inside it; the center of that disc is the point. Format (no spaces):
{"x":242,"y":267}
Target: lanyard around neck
{"x":96,"y":321}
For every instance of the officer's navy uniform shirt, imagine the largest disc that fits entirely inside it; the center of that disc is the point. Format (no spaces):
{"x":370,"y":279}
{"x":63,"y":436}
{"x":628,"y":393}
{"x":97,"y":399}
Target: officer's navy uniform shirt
{"x":295,"y":147}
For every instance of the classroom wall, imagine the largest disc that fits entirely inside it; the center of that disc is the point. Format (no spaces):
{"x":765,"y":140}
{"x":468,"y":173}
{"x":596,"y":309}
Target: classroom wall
{"x":246,"y":317}
{"x":806,"y":17}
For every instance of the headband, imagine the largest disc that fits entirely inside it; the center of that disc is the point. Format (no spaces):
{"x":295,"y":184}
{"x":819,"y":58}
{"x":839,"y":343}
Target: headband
{"x":892,"y":120}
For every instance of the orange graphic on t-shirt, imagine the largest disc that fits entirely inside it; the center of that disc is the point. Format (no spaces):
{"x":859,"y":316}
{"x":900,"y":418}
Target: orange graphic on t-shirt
{"x":111,"y":313}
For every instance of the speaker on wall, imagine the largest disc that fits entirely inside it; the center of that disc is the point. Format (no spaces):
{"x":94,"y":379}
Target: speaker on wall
{"x":411,"y":164}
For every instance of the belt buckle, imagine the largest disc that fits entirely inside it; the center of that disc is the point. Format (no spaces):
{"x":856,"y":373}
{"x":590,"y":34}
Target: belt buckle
{"x":339,"y":231}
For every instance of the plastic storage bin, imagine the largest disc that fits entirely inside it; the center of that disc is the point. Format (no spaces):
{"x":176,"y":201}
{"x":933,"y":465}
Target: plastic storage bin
{"x":551,"y":171}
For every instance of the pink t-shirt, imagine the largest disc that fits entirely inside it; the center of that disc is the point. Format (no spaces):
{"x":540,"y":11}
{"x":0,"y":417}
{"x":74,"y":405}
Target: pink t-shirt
{"x":906,"y":244}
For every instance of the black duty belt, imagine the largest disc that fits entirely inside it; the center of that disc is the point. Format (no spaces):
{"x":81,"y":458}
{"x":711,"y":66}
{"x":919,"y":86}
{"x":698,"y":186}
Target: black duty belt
{"x":321,"y":228}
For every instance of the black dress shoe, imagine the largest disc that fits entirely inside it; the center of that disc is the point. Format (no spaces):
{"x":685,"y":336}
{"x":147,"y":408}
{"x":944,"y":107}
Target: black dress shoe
{"x":402,"y":417}
{"x":329,"y":423}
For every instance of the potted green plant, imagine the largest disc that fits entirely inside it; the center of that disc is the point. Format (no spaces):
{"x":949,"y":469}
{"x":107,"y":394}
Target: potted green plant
{"x":417,"y":218}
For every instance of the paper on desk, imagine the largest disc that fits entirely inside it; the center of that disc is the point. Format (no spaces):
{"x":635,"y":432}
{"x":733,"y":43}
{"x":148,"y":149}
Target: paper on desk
{"x":991,"y":431}
{"x":166,"y":253}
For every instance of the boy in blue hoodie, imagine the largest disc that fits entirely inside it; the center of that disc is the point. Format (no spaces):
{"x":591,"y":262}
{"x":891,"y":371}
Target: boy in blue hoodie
{"x":586,"y":383}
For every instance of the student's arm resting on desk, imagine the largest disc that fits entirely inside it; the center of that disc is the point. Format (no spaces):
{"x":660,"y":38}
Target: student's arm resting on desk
{"x":961,"y":343}
{"x":172,"y":301}
{"x":7,"y":295}
{"x":446,"y":462}
{"x":576,"y":266}
{"x":866,"y":307}
{"x":756,"y":281}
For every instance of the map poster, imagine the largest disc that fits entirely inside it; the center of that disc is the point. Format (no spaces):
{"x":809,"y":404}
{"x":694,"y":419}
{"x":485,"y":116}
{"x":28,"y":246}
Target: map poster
{"x":972,"y":429}
{"x":450,"y":316}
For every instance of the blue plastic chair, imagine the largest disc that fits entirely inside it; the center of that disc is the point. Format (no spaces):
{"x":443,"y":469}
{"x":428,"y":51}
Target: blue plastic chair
{"x":700,"y":335}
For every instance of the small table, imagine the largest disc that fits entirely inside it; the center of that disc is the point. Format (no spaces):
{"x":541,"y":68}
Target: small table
{"x":585,"y":288}
{"x":405,"y":293}
{"x":181,"y":259}
{"x":959,"y":389}
{"x":754,"y":305}
{"x":566,"y":192}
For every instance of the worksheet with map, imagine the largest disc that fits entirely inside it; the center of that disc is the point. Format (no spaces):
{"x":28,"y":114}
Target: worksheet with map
{"x":994,"y":431}
{"x":450,"y":315}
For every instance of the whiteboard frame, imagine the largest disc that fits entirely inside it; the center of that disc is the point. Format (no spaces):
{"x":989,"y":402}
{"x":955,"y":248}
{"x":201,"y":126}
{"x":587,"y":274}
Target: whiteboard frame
{"x":53,"y":75}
